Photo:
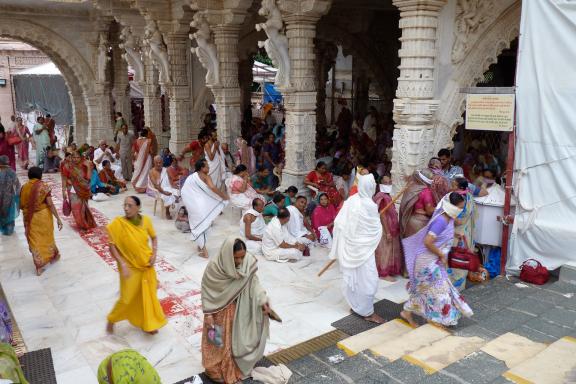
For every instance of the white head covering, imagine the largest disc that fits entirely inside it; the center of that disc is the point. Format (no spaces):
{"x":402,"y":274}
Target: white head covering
{"x":357,"y":228}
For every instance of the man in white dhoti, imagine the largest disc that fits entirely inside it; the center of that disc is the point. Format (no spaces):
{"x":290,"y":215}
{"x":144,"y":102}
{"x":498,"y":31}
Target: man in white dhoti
{"x":277,"y":244}
{"x":159,"y":186}
{"x":215,"y":158}
{"x":104,"y":153}
{"x":252,"y":227}
{"x":357,"y":232}
{"x":295,"y":226}
{"x":204,"y":202}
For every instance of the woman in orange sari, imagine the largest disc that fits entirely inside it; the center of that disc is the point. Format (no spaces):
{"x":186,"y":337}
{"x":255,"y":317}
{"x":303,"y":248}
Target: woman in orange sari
{"x":38,"y":209}
{"x":129,"y":238}
{"x":323,"y":181}
{"x":76,"y":175}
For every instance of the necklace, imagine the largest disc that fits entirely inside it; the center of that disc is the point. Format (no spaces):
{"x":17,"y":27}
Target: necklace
{"x":136,"y":220}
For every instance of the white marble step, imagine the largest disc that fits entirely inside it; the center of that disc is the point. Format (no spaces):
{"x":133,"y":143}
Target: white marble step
{"x":375,"y":336}
{"x":513,"y":349}
{"x":444,"y":352}
{"x":554,"y":365}
{"x":412,"y":341}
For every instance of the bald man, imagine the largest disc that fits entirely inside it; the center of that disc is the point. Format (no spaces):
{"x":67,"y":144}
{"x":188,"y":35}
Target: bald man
{"x":159,"y":185}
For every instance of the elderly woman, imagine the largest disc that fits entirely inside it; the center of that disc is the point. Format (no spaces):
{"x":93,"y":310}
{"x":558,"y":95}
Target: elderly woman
{"x":38,"y":209}
{"x":464,"y":224}
{"x":417,"y":205}
{"x":130,"y":237}
{"x":127,"y":367}
{"x":76,"y":177}
{"x":236,"y":313}
{"x":322,"y":181}
{"x":431,"y":294}
{"x":440,"y":186}
{"x":240,"y":190}
{"x":9,"y":196}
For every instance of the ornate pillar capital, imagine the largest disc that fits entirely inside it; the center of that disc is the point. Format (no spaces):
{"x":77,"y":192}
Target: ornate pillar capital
{"x":302,"y":10}
{"x":419,"y":5}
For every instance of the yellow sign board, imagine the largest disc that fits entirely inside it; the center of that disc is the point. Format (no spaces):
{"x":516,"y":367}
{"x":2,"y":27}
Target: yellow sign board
{"x":490,"y":112}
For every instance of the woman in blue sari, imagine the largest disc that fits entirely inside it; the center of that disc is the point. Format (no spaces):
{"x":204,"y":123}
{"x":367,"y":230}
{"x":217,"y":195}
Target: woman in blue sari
{"x":9,"y":197}
{"x":431,"y":294}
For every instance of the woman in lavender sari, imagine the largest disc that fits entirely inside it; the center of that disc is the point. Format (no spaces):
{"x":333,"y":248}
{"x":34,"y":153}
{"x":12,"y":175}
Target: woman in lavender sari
{"x":432,"y":295}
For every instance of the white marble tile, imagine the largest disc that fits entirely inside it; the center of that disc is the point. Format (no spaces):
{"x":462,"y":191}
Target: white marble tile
{"x":94,"y":351}
{"x":82,"y":375}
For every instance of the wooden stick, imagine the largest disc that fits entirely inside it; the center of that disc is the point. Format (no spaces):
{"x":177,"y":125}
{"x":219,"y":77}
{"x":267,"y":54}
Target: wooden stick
{"x":394,"y":199}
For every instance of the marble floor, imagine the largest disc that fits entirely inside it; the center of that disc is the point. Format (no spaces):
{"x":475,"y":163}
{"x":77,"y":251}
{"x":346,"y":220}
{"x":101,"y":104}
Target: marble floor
{"x":65,"y":308}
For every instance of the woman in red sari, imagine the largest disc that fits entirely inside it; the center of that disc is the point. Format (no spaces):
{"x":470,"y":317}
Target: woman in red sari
{"x":25,"y":135}
{"x":323,"y":181}
{"x":418,"y":204}
{"x":389,"y":257}
{"x":76,"y":175}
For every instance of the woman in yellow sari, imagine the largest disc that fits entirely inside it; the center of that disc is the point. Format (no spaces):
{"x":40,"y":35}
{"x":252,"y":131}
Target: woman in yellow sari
{"x":128,"y":238}
{"x":38,"y":209}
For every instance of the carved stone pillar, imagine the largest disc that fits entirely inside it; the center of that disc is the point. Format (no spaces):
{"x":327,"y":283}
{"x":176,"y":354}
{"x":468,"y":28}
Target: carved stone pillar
{"x":227,"y":92}
{"x":99,"y":115}
{"x":325,"y":60}
{"x":121,"y":88}
{"x":245,"y":79}
{"x":300,"y":99}
{"x":80,"y":117}
{"x":152,"y":103}
{"x":414,"y":106}
{"x":361,"y":89}
{"x":179,"y":91}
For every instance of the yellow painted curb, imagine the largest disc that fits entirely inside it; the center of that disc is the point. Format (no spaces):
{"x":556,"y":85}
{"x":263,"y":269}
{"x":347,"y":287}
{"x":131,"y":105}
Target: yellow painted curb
{"x":515,"y":378}
{"x":346,"y":350}
{"x":428,"y":369}
{"x":569,"y":338}
{"x":404,"y":322}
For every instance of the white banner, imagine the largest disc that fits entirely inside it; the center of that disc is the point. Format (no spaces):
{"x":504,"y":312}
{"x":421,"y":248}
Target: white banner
{"x":545,"y":164}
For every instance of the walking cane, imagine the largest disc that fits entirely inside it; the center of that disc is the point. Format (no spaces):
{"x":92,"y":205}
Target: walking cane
{"x":394,"y":199}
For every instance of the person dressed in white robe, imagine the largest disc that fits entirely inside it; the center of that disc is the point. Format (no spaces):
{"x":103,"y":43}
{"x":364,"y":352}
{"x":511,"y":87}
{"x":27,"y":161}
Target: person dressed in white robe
{"x":103,"y":152}
{"x":277,"y":244}
{"x":357,"y":233}
{"x":295,"y":226}
{"x":252,"y":227}
{"x":159,"y":186}
{"x":204,"y":203}
{"x":215,"y":158}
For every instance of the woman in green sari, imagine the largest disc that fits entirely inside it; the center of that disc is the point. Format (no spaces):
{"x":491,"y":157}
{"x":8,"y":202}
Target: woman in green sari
{"x":10,"y":366}
{"x":127,"y":367}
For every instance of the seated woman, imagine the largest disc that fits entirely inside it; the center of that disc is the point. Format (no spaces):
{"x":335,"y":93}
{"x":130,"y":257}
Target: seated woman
{"x":107,"y":176}
{"x":236,"y":314}
{"x":431,"y":294}
{"x":260,"y":182}
{"x":239,"y":189}
{"x":324,"y":214}
{"x":97,"y":186}
{"x":322,"y":181}
{"x":52,"y":160}
{"x":417,"y":205}
{"x":127,"y":366}
{"x":181,"y":221}
{"x":176,"y":173}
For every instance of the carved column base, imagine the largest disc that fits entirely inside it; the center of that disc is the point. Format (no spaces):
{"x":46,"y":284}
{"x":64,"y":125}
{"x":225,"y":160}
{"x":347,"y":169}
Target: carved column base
{"x":153,"y":114}
{"x":413,"y":137}
{"x":99,"y":117}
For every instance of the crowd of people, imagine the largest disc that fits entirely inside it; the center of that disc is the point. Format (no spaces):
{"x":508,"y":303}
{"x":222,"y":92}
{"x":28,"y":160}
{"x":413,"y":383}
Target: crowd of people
{"x":351,"y":212}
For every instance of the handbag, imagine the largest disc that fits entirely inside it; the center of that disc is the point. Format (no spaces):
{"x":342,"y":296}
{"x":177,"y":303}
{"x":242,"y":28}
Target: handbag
{"x":13,"y":139}
{"x":532,"y":271}
{"x":463,"y":258}
{"x":66,"y":207}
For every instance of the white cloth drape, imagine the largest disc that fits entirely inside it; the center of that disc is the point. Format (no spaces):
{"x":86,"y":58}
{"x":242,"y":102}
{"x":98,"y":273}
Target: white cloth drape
{"x":217,"y":167}
{"x":166,"y":186}
{"x":546,"y":136}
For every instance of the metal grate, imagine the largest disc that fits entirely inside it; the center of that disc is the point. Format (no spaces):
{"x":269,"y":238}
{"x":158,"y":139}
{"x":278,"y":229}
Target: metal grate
{"x":38,"y":367}
{"x":303,"y":349}
{"x":354,"y":324}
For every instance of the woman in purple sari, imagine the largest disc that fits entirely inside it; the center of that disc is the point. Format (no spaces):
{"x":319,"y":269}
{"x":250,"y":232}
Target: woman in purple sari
{"x":431,"y":294}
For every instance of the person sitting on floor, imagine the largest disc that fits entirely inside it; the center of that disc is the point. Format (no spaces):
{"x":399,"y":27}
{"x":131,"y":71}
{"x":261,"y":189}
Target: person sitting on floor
{"x":107,"y":176}
{"x":252,"y":227}
{"x":181,"y":221}
{"x":97,"y":186}
{"x":296,"y":225}
{"x":176,"y":174}
{"x":52,"y":160}
{"x":271,"y":209}
{"x":277,"y":244}
{"x":159,"y":185}
{"x":260,"y":182}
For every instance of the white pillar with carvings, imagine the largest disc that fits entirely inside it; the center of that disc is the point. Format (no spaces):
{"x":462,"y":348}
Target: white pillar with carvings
{"x":414,"y":106}
{"x":300,"y":18}
{"x":121,"y":89}
{"x":152,"y":102}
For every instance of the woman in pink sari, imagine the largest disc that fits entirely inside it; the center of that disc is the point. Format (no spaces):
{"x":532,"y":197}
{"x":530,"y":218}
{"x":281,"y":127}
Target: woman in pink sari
{"x":324,"y":214}
{"x":240,"y":191}
{"x":389,"y":257}
{"x":417,"y":205}
{"x":143,"y":163}
{"x":25,"y":135}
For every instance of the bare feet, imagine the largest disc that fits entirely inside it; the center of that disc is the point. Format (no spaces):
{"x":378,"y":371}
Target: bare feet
{"x":39,"y":271}
{"x":389,"y":278}
{"x":110,"y":328}
{"x":152,"y":332}
{"x":406,"y":315}
{"x":203,"y":252}
{"x":374,"y":318}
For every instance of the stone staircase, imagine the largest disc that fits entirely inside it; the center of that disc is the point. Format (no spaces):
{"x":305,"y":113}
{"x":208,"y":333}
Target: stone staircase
{"x":519,"y":333}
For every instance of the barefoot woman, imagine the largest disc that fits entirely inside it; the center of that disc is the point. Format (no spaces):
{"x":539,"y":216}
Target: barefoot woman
{"x":138,"y":303}
{"x":432,"y":295}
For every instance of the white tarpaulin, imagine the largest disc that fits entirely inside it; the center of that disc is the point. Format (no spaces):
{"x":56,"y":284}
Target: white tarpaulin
{"x":545,"y":165}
